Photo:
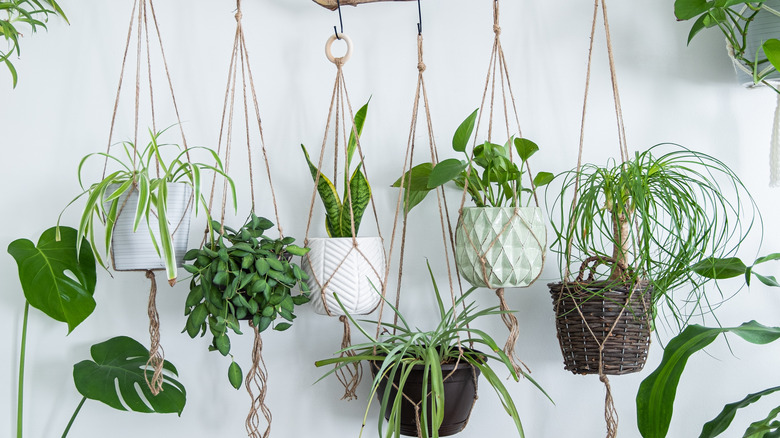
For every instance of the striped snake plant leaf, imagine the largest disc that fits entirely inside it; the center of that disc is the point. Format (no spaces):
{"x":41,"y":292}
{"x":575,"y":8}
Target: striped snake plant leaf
{"x":360,"y":120}
{"x":360,"y":192}
{"x":328,"y":195}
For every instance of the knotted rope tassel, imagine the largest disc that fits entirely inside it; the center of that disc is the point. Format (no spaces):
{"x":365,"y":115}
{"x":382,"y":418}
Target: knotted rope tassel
{"x":349,"y":375}
{"x":257,"y":377}
{"x":610,"y":413}
{"x":156,"y":354}
{"x":514,"y":333}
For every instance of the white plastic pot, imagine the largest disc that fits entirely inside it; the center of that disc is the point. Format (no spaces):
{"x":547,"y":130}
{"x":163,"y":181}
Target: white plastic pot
{"x":498,"y":247}
{"x":765,"y":25}
{"x":351,"y":269}
{"x":135,"y":251}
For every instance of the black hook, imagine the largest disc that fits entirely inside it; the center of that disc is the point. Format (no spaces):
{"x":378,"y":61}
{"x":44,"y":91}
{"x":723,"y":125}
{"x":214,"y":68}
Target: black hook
{"x":341,"y":21}
{"x":419,"y":12}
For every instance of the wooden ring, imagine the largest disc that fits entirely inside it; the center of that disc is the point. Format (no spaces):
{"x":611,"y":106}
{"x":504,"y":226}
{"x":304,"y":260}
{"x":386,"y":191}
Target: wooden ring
{"x":328,"y":45}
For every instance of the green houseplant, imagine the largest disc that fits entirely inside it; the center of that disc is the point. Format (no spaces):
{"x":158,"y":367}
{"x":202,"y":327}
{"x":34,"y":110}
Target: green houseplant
{"x":242,"y":275}
{"x":418,"y":362}
{"x":636,"y":228}
{"x":501,"y":241}
{"x":739,"y":21}
{"x":149,"y":192}
{"x":353,"y":263}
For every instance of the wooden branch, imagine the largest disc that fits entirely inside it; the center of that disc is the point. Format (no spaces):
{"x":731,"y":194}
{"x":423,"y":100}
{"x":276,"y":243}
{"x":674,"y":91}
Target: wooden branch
{"x":333,"y":5}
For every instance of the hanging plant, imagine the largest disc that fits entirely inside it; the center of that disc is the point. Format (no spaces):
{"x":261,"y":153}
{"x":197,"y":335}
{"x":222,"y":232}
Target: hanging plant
{"x":146,"y":192}
{"x":243,"y":275}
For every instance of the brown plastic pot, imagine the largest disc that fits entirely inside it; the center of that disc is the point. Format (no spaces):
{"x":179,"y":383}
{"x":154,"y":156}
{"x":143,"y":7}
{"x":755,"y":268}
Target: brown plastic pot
{"x":460,"y":393}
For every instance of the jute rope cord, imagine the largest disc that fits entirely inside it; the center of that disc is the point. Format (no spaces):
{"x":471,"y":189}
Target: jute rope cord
{"x":139,"y":20}
{"x":257,"y":379}
{"x":610,"y":413}
{"x":498,"y":73}
{"x":340,"y":113}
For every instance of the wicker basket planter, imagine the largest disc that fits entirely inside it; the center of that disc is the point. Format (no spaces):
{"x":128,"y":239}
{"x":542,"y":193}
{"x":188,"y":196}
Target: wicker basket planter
{"x":600,"y":304}
{"x":353,"y":272}
{"x":135,"y":251}
{"x":498,"y":247}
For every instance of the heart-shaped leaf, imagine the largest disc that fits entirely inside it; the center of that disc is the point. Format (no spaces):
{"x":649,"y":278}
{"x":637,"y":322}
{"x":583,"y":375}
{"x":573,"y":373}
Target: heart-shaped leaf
{"x":116,"y":378}
{"x":56,"y":278}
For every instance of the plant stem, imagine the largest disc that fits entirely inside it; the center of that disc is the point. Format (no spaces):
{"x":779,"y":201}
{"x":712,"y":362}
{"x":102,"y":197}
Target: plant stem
{"x":73,"y":418}
{"x":20,"y":393}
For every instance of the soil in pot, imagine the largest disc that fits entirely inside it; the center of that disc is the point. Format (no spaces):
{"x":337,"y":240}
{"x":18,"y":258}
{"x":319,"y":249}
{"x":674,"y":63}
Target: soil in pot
{"x":460,"y":393}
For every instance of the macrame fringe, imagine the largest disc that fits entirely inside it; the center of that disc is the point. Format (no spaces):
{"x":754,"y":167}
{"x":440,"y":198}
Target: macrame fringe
{"x":610,"y":413}
{"x":257,"y":377}
{"x":156,"y":354}
{"x":514,"y":333}
{"x":774,"y":152}
{"x":350,"y":375}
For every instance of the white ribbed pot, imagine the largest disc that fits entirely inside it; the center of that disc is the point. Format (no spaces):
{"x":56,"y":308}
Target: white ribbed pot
{"x":354,"y":273}
{"x":498,"y":247}
{"x":765,"y":25}
{"x":135,"y":251}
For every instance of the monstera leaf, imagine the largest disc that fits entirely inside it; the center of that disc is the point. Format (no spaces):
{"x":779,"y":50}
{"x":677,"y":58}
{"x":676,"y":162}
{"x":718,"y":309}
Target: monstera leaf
{"x":117,"y":376}
{"x":57,"y":278}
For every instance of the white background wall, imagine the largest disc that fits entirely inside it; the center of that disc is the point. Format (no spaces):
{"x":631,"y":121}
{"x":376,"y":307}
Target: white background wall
{"x":61,"y":111}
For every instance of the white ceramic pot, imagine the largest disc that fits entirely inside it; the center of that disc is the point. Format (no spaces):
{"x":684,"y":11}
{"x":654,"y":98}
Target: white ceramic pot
{"x":134,"y":251}
{"x":499,"y":247}
{"x":765,"y":25}
{"x":353,"y":270}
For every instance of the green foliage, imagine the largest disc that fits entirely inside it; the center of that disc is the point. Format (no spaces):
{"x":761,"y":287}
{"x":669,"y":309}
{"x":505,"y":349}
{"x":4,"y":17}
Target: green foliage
{"x":28,"y":13}
{"x":401,"y":347}
{"x":56,"y":277}
{"x":343,"y":217}
{"x":143,"y":170}
{"x":116,"y":375}
{"x":243,"y":275}
{"x":717,"y":269}
{"x":655,"y":398}
{"x":733,"y":18}
{"x":657,"y":215}
{"x":499,"y":185}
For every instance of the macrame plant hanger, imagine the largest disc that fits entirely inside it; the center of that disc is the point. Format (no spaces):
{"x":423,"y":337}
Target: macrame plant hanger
{"x":610,"y":413}
{"x":256,"y":381}
{"x":403,"y":200}
{"x":498,"y":74}
{"x":139,"y":20}
{"x":340,"y":113}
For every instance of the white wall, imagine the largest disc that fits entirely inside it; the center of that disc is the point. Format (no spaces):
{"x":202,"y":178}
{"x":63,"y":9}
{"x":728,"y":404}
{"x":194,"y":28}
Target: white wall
{"x":61,"y":111}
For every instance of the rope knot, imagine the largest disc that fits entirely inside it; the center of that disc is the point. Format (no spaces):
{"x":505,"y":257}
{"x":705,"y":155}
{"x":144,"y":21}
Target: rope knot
{"x":421,"y":66}
{"x":339,"y":62}
{"x":238,"y":16}
{"x":497,"y":29}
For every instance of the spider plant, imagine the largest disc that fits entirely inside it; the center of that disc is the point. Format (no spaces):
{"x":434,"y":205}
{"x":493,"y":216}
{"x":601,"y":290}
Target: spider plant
{"x":145,"y":170}
{"x":400,"y":348}
{"x":653,"y":217}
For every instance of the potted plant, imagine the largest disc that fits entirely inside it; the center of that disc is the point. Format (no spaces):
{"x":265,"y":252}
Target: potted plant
{"x":146,"y":192}
{"x":444,"y":363}
{"x":243,"y":275}
{"x":635,"y":228}
{"x":501,"y":241}
{"x":344,"y":263}
{"x":751,"y":29}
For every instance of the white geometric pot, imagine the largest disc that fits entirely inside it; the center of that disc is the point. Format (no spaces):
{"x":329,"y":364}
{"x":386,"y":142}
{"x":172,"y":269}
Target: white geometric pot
{"x":353,"y":272}
{"x":765,"y":25}
{"x":134,"y":251}
{"x":497,"y":247}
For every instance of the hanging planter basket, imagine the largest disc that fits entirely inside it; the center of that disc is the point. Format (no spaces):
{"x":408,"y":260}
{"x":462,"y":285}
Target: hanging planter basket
{"x":353,"y":269}
{"x":614,"y":314}
{"x":135,"y":251}
{"x":764,"y":26}
{"x":460,"y":393}
{"x":497,"y":247}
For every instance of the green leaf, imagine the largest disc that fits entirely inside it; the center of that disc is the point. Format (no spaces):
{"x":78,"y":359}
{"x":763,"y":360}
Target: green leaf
{"x":416,"y":178}
{"x":770,"y":280}
{"x":772,"y":51}
{"x":328,"y":194}
{"x":235,"y":375}
{"x":360,"y":119}
{"x":462,"y":135}
{"x":223,"y":344}
{"x":700,"y":24}
{"x":361,"y":196}
{"x":720,"y":423}
{"x":282,"y":326}
{"x":116,"y":378}
{"x":56,"y":278}
{"x":543,"y":178}
{"x":767,"y":258}
{"x":297,"y":250}
{"x":445,"y":172}
{"x":687,"y":9}
{"x":719,"y":269}
{"x":525,"y":148}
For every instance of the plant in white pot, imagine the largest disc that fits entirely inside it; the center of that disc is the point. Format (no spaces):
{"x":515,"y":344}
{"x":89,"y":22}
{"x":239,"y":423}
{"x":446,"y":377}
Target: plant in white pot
{"x":344,"y":263}
{"x":501,"y":241}
{"x":146,"y":193}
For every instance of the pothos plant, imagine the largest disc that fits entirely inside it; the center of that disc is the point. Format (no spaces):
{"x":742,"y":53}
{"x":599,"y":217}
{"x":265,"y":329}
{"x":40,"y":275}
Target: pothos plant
{"x":733,"y":18}
{"x":342,"y":212}
{"x":145,"y":170}
{"x":243,"y":275}
{"x":494,"y":179}
{"x":28,"y":13}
